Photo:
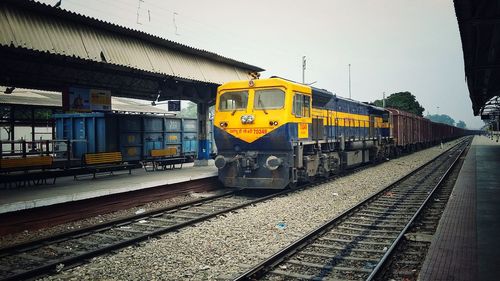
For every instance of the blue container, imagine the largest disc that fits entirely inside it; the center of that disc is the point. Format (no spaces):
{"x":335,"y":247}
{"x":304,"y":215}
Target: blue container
{"x":189,"y":143}
{"x":87,"y":132}
{"x":173,"y":124}
{"x":173,"y":138}
{"x":130,"y":131}
{"x":190,"y":137}
{"x":133,"y":135}
{"x":190,"y":125}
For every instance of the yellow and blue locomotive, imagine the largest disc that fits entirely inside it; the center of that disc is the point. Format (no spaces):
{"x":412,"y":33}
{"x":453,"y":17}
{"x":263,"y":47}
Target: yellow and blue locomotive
{"x":273,"y":133}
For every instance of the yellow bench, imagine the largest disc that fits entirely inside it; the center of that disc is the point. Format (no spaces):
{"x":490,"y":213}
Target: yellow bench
{"x":105,"y":162}
{"x":26,"y":163}
{"x":167,"y":152}
{"x":102,"y":158}
{"x":164,"y":158}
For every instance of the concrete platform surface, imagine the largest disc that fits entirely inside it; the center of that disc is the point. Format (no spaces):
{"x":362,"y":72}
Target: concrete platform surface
{"x":466,"y":245}
{"x":66,"y":189}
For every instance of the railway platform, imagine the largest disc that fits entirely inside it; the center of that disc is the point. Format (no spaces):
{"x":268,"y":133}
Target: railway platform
{"x":465,"y":245}
{"x":66,"y":189}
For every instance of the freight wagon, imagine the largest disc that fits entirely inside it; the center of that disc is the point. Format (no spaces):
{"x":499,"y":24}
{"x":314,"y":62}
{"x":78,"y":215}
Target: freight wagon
{"x":134,"y":135}
{"x":411,"y":132}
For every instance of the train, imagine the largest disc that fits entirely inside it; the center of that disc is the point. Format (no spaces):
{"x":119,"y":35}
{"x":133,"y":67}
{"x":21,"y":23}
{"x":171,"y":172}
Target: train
{"x":134,"y":135}
{"x":275,"y":133}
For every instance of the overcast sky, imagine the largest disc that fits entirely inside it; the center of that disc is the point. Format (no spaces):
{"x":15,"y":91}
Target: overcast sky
{"x":392,"y":45}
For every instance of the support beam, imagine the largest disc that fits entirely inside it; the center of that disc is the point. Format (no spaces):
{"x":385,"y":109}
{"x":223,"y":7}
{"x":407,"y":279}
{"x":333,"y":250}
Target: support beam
{"x":203,"y":141}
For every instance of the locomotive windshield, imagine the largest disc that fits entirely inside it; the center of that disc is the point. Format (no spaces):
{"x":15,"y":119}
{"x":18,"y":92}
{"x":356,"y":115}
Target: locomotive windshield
{"x":269,"y":99}
{"x":233,"y":100}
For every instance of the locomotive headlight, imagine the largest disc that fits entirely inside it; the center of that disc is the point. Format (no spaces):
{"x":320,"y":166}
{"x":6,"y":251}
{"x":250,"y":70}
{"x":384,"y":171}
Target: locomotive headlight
{"x":247,"y":119}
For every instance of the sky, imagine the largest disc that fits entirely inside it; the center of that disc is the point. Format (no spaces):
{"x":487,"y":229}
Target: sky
{"x":392,"y":45}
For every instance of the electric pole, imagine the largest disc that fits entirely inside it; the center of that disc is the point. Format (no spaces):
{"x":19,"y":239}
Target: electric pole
{"x":303,"y":69}
{"x":349,"y":81}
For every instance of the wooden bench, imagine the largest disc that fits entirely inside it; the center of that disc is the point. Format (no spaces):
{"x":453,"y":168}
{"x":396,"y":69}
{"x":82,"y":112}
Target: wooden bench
{"x":102,"y":162}
{"x":27,"y":164}
{"x":165,"y":158}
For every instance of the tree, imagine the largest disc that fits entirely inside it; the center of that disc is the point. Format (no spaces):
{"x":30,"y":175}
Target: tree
{"x":190,"y":111}
{"x":461,"y":124}
{"x":404,"y":101}
{"x":441,"y":118}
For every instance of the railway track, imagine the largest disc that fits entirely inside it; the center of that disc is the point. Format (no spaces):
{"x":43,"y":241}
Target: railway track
{"x":356,"y":244}
{"x":54,"y":253}
{"x":66,"y":250}
{"x":408,"y":257}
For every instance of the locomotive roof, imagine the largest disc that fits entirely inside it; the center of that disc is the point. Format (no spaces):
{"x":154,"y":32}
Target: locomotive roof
{"x":322,"y":96}
{"x":327,"y":95}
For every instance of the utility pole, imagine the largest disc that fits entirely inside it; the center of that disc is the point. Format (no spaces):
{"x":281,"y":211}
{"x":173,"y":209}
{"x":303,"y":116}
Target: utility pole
{"x":303,"y":69}
{"x":138,"y":8}
{"x":383,"y":99}
{"x":349,"y":81}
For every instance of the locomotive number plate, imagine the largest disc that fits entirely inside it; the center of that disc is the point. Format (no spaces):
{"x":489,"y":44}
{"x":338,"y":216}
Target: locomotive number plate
{"x":303,"y":131}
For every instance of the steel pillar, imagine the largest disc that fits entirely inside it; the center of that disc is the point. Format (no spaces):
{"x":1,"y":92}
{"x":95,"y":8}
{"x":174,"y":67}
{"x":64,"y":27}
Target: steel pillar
{"x":203,"y":141}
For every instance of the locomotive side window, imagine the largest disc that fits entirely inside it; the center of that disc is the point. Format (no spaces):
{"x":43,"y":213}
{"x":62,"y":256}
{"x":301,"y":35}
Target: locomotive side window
{"x":301,"y":105}
{"x":306,"y":109}
{"x":269,"y":99}
{"x":233,"y":100}
{"x":385,"y":117}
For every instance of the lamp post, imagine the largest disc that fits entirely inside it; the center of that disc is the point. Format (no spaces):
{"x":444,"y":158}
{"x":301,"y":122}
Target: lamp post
{"x":303,"y":69}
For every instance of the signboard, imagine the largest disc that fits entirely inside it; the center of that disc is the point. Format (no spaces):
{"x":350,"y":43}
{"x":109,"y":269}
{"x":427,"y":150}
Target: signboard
{"x":100,"y":100}
{"x":86,"y":100}
{"x":174,"y":105}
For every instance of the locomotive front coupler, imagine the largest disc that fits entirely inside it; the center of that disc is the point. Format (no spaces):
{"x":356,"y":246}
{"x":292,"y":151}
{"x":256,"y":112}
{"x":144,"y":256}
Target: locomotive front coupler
{"x":249,"y":161}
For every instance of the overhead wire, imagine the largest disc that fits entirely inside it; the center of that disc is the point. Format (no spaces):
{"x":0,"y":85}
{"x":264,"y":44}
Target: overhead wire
{"x":189,"y":29}
{"x":186,"y":26}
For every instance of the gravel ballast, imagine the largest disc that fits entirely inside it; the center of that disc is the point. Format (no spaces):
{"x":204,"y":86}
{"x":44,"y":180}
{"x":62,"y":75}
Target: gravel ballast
{"x":227,"y":245}
{"x":29,"y":235}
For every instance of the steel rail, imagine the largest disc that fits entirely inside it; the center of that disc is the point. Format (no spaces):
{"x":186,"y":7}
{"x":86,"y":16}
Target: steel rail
{"x":52,"y":265}
{"x":67,"y":236}
{"x":93,"y":228}
{"x":83,"y":256}
{"x":265,"y":266}
{"x":389,"y":252}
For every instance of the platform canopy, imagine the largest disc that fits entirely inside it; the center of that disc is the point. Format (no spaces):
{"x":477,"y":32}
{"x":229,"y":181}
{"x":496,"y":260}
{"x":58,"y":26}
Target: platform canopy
{"x":49,"y":48}
{"x":479,"y":24}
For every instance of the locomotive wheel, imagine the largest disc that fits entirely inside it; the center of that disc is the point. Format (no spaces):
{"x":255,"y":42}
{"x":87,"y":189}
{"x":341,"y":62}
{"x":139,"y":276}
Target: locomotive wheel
{"x":292,"y":185}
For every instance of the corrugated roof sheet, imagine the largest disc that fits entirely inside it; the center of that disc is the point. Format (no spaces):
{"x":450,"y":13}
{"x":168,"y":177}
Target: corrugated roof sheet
{"x":36,"y":26}
{"x":480,"y":34}
{"x":53,"y":99}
